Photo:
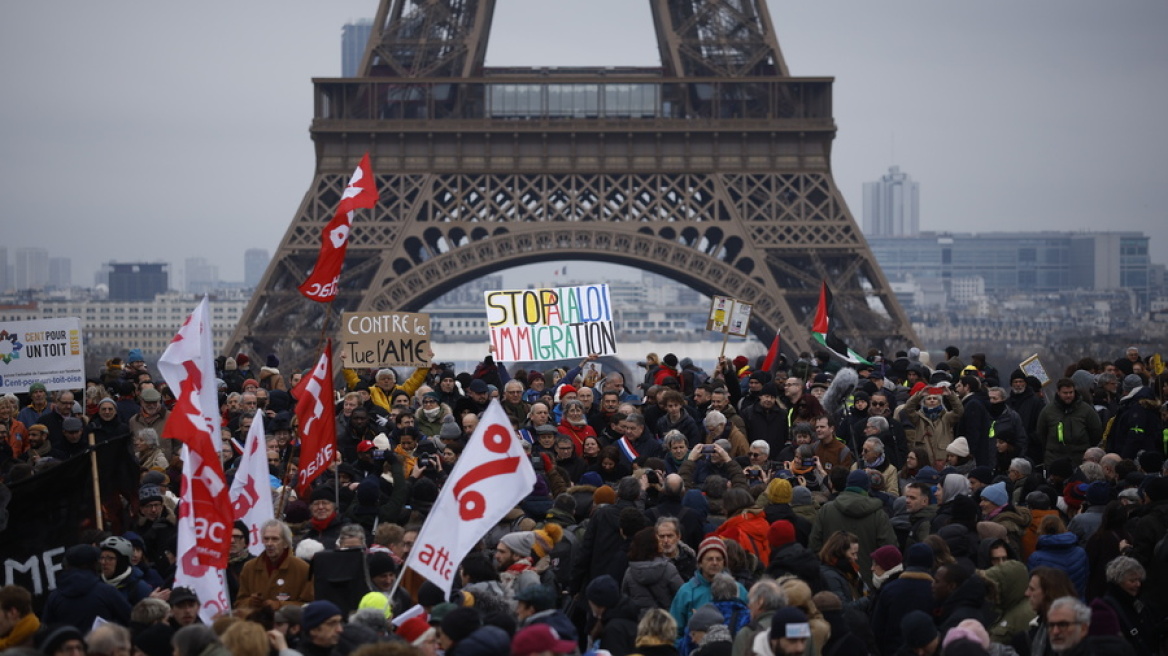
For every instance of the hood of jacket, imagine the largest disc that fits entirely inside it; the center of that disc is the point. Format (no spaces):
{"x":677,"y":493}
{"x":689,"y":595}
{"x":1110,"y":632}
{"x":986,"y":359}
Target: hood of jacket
{"x":858,"y":506}
{"x":648,"y":572}
{"x":74,"y":583}
{"x":1059,"y":542}
{"x":1011,"y":579}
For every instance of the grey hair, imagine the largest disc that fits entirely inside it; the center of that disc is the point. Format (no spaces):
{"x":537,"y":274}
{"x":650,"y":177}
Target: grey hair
{"x":669,"y":520}
{"x":877,"y":445}
{"x":285,"y":531}
{"x":148,"y":435}
{"x":714,"y":418}
{"x":724,"y":587}
{"x":370,"y":618}
{"x":351,"y":531}
{"x":234,"y":396}
{"x":635,"y":418}
{"x":761,"y":445}
{"x":1120,"y":566}
{"x":385,"y":372}
{"x":149,"y":611}
{"x":193,"y":639}
{"x":1094,"y":454}
{"x":628,"y":488}
{"x":573,"y":403}
{"x":879,"y":422}
{"x":672,"y":437}
{"x":1022,"y":465}
{"x":108,"y":638}
{"x":768,"y":594}
{"x":511,"y":384}
{"x":1082,"y":611}
{"x":1092,"y":471}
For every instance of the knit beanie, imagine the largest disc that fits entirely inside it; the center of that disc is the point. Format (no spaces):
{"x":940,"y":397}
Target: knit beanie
{"x":781,"y":532}
{"x":887,"y":557}
{"x":521,"y":542}
{"x":603,"y":495}
{"x":859,"y":478}
{"x":996,"y":494}
{"x":958,"y":447}
{"x":800,"y":496}
{"x":460,"y":623}
{"x":705,"y":617}
{"x":919,"y":556}
{"x":317,"y":613}
{"x":603,"y":591}
{"x":712,"y":543}
{"x":450,"y":429}
{"x":545,"y":539}
{"x":779,"y":490}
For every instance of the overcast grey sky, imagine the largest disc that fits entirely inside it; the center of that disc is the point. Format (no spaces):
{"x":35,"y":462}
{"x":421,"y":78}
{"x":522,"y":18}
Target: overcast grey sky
{"x":159,"y":130}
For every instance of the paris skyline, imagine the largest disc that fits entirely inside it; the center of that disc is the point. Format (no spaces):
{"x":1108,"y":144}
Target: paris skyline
{"x":136,"y":143}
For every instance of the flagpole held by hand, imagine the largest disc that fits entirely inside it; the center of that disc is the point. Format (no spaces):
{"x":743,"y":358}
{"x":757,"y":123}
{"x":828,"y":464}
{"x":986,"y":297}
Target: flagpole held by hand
{"x":96,"y":483}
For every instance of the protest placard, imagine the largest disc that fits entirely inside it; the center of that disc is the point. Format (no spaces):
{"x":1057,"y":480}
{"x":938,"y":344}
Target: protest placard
{"x":46,"y":351}
{"x":1032,"y":366}
{"x":385,"y":339}
{"x":729,"y":316}
{"x":553,"y":323}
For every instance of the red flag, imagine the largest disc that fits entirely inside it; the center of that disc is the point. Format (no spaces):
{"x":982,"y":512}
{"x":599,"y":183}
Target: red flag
{"x":318,"y":429}
{"x":771,"y":355}
{"x":361,"y":192}
{"x":188,"y":365}
{"x":822,"y":321}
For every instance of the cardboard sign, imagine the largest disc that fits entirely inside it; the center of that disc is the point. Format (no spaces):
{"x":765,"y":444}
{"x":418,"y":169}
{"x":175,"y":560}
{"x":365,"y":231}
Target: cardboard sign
{"x":46,"y":351}
{"x":1031,"y":366}
{"x":728,"y":316}
{"x":385,"y":339}
{"x":554,"y":323}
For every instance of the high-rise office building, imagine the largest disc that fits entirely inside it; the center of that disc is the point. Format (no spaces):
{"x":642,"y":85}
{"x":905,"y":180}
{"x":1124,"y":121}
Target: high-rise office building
{"x":255,"y":262}
{"x":32,"y":268}
{"x":354,"y":36}
{"x":138,"y":281}
{"x":60,"y":272}
{"x":200,"y":275}
{"x":892,"y":205}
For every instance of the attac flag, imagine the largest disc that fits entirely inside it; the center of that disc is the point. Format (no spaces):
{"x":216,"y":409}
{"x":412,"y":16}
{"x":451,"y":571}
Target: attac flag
{"x":205,"y":517}
{"x":491,"y":476}
{"x":823,"y":330}
{"x":361,"y":193}
{"x":251,"y":489}
{"x":318,"y":428}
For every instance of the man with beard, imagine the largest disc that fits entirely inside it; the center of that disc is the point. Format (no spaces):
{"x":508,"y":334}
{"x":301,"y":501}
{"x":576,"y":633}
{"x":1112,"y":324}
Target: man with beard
{"x":276,"y":578}
{"x":765,"y":420}
{"x":1068,"y":426}
{"x":37,"y":406}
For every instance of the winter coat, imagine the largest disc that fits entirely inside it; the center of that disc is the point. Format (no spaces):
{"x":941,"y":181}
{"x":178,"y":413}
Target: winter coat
{"x":288,"y":584}
{"x":1062,"y":551}
{"x":1015,"y":520}
{"x":782,"y":511}
{"x":859,"y":514}
{"x":912,"y":590}
{"x":934,"y":434}
{"x":1140,"y":622}
{"x":975,"y":426}
{"x":1086,"y":523}
{"x":692,"y":596}
{"x":796,"y":559}
{"x":1080,"y":428}
{"x":847,"y":588}
{"x":685,"y":425}
{"x":80,"y":597}
{"x":1146,"y":530}
{"x":1137,"y":425}
{"x":1030,"y":536}
{"x":651,"y":583}
{"x":1012,"y":607}
{"x":618,"y":633}
{"x":968,"y":601}
{"x":602,"y":551}
{"x":749,"y":529}
{"x":769,"y":425}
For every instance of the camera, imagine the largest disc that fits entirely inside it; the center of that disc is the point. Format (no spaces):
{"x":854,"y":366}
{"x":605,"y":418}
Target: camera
{"x":380,"y":454}
{"x":709,"y":449}
{"x":537,"y":463}
{"x":428,"y":462}
{"x":754,"y":474}
{"x":808,"y":462}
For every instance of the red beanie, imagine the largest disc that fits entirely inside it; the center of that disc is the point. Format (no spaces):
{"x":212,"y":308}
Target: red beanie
{"x":780,"y":533}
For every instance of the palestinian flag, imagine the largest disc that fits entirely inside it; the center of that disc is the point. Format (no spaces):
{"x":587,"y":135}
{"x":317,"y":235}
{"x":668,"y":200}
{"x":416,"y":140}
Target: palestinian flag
{"x":823,"y":330}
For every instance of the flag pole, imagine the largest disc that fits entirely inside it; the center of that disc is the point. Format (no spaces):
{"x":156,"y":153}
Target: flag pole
{"x":96,"y":482}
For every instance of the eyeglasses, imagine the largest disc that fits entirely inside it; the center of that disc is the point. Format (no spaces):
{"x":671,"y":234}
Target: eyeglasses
{"x":429,"y":402}
{"x":1061,"y":626}
{"x":754,"y":454}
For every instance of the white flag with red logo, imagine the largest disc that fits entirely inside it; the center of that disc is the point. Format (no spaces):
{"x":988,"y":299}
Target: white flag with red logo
{"x":251,"y":489}
{"x":318,"y":426}
{"x":204,"y":522}
{"x":361,"y":193}
{"x":491,"y":476}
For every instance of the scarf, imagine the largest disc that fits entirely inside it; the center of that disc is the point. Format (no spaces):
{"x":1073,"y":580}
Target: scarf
{"x":933,"y":413}
{"x":578,"y":424}
{"x":878,"y":465}
{"x":432,"y":415}
{"x":21,"y":632}
{"x":119,"y":579}
{"x":273,"y":566}
{"x":321,"y":524}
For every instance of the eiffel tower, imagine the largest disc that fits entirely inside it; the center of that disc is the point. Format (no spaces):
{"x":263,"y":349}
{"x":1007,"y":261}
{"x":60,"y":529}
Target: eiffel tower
{"x":713,"y":169}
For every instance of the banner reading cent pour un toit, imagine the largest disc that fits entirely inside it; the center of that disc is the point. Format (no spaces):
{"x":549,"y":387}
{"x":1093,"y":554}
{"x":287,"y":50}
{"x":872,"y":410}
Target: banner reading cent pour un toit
{"x":46,"y":351}
{"x":551,"y":323}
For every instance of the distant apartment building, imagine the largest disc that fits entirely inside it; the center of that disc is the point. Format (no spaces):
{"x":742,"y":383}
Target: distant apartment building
{"x":892,"y":205}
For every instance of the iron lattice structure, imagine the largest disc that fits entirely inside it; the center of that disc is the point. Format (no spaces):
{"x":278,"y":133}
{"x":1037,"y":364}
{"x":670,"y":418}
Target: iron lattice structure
{"x":714,"y":170}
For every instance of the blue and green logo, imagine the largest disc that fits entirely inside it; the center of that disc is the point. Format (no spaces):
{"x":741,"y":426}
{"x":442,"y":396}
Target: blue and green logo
{"x":9,"y":346}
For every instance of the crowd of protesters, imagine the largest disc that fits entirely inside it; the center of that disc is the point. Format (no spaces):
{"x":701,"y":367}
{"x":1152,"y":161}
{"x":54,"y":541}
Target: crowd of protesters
{"x":900,"y":507}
